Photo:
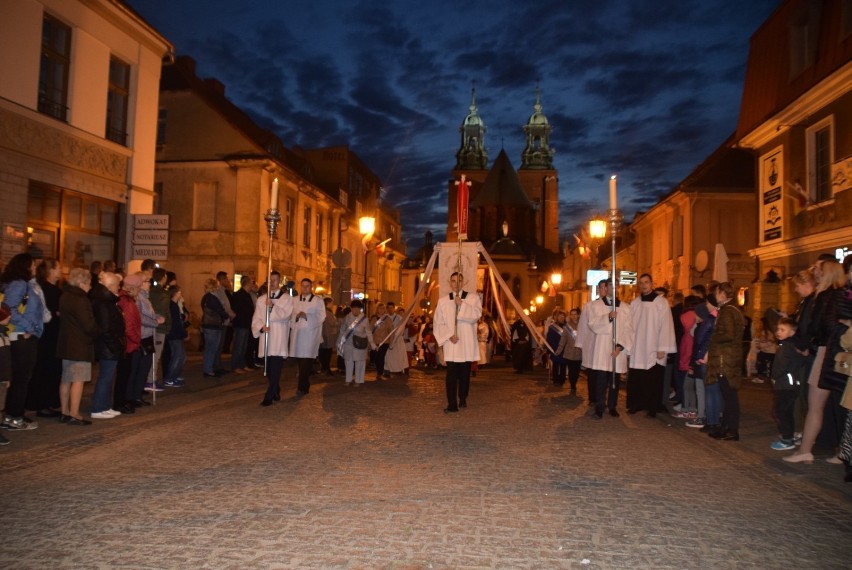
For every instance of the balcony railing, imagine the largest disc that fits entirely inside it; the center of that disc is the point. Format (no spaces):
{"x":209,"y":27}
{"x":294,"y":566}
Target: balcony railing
{"x":55,"y":109}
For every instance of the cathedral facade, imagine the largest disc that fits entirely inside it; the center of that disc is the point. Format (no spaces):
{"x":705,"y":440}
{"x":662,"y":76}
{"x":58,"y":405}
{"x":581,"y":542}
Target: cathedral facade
{"x":514,"y":213}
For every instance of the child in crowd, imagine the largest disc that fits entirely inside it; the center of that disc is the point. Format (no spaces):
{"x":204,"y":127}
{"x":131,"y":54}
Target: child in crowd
{"x":430,"y":349}
{"x":766,"y":345}
{"x":788,"y":371}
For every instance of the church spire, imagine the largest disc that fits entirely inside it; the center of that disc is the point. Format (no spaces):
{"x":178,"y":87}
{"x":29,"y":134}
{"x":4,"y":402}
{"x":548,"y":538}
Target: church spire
{"x":472,"y":154}
{"x":537,"y":155}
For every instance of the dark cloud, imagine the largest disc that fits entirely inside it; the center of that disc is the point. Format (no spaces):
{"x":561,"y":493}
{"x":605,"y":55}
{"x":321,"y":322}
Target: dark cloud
{"x":646,"y":90}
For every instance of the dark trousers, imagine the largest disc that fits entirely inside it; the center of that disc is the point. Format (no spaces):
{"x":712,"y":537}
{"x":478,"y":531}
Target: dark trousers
{"x":122,"y":379}
{"x":558,"y":368}
{"x":590,"y":380}
{"x":731,"y":401}
{"x":325,"y":359}
{"x":784,"y":404}
{"x":606,"y":391}
{"x":458,"y":384}
{"x":644,"y":388}
{"x":140,"y":365}
{"x":379,"y":359}
{"x":43,"y":391}
{"x":573,"y":373}
{"x":274,"y":366}
{"x":24,"y":355}
{"x":306,"y":366}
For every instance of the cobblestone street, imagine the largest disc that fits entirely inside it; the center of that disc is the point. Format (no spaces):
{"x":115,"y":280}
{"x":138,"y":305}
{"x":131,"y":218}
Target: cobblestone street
{"x":380,"y":477}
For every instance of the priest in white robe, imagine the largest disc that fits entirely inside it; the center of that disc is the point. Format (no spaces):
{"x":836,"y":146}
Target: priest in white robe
{"x":600,"y":314}
{"x":275,"y":336}
{"x":306,"y":332}
{"x":456,"y":316}
{"x":654,"y":339}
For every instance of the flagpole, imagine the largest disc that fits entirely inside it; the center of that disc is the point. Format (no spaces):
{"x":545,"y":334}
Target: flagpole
{"x":462,"y":197}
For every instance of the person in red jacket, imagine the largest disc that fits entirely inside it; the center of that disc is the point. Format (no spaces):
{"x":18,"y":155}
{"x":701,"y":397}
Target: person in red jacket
{"x":122,"y":401}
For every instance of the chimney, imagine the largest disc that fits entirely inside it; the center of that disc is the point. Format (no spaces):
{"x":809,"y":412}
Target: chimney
{"x":187,"y":62}
{"x":216,"y":85}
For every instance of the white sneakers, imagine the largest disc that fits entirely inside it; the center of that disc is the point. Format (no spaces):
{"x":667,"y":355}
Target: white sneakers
{"x":106,"y":414}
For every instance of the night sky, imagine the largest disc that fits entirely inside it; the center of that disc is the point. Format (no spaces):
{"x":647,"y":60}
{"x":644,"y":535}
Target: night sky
{"x":644,"y":89}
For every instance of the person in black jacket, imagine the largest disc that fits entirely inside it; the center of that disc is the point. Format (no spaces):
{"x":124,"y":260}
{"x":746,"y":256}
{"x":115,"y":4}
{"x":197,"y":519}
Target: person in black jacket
{"x":175,"y":340}
{"x":76,"y":344}
{"x":243,"y":305}
{"x":787,"y":374}
{"x":109,"y":345}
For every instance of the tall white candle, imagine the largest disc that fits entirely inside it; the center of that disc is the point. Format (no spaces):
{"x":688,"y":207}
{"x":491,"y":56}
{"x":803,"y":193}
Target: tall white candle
{"x":613,"y":200}
{"x":273,"y":198}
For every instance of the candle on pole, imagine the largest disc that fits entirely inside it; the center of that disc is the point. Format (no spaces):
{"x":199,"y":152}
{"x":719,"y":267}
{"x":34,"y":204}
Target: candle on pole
{"x":273,"y":198}
{"x":613,"y":194}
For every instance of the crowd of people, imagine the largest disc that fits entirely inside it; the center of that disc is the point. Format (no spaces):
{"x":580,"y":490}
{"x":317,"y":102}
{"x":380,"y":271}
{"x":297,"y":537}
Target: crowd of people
{"x":695,"y":354}
{"x":128,"y":333}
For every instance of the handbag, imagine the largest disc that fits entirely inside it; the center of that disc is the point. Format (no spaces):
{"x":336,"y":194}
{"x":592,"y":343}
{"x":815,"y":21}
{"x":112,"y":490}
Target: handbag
{"x":147,"y":346}
{"x":359,"y":342}
{"x":843,"y":363}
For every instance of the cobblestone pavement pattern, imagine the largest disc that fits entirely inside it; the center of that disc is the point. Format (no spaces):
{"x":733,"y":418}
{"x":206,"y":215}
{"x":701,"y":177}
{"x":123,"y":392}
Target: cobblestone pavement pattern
{"x":379,"y":477}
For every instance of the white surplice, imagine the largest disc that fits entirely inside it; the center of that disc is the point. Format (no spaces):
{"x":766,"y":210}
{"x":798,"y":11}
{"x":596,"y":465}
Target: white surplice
{"x":469,"y":312}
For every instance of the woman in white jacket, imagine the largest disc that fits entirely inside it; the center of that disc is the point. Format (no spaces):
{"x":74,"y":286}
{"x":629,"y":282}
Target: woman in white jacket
{"x":355,"y":329}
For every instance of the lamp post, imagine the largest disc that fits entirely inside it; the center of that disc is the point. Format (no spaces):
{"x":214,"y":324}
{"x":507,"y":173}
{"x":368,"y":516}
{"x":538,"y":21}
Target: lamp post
{"x":272,"y":218}
{"x":367,"y":226}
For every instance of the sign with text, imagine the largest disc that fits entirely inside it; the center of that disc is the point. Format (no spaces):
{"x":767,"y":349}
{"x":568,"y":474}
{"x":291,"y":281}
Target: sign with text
{"x":772,"y":196}
{"x":151,"y":237}
{"x":151,"y":221}
{"x":155,"y":252}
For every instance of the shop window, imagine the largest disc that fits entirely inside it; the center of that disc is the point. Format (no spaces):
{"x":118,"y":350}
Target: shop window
{"x":75,"y":228}
{"x":53,"y":70}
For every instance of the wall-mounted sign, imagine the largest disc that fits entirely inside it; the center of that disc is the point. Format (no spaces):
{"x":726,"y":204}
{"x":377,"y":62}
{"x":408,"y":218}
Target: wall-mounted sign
{"x":772,"y":196}
{"x":155,"y":252}
{"x":151,"y":237}
{"x":151,"y":221}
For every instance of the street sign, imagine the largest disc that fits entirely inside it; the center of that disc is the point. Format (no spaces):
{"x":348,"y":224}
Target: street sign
{"x":627,"y":278}
{"x":155,"y":252}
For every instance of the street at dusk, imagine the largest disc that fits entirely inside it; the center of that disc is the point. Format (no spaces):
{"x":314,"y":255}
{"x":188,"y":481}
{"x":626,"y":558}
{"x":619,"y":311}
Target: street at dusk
{"x":379,"y":477}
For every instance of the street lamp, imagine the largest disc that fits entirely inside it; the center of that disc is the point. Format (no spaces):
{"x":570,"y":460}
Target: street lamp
{"x":556,"y":279}
{"x":597,"y":231}
{"x":367,"y":226}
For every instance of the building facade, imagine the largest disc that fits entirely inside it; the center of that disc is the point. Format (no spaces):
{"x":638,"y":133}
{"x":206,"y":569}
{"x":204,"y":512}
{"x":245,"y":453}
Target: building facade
{"x":796,"y":119}
{"x":215,"y":173}
{"x":677,"y":239}
{"x":78,"y":116}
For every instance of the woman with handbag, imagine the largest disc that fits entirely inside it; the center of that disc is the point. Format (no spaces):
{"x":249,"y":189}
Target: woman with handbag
{"x":830,"y":292}
{"x":354,"y":338}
